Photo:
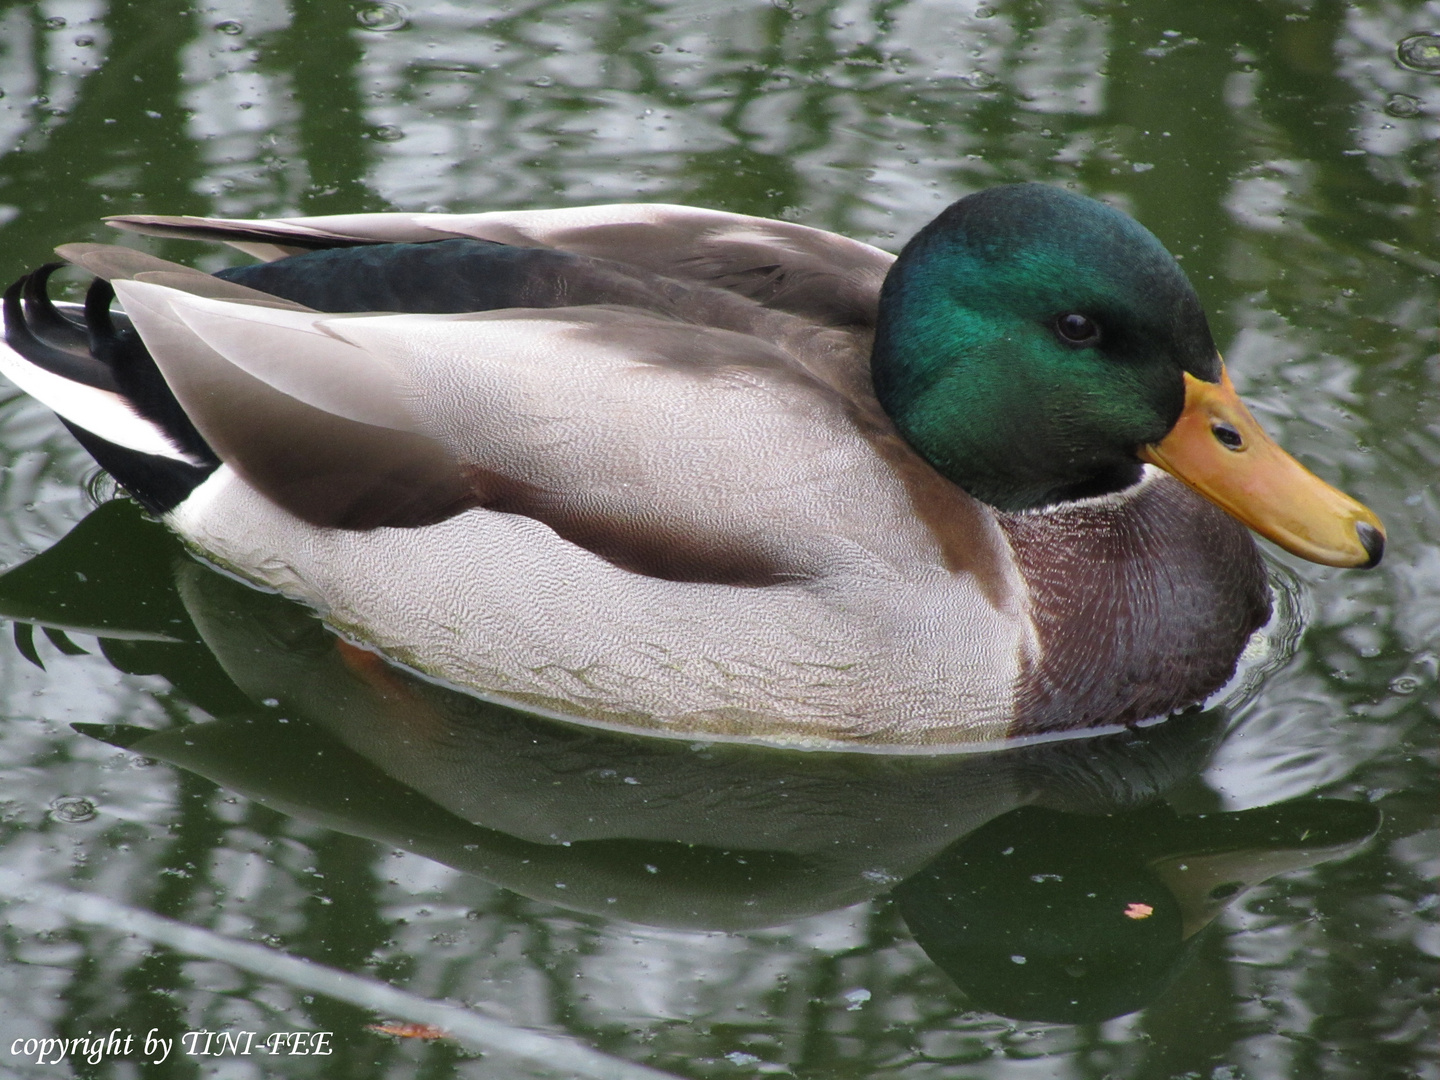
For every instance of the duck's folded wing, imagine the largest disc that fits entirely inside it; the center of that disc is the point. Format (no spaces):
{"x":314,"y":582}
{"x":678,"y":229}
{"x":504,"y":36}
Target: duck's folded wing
{"x":304,"y":417}
{"x":809,"y":272}
{"x":683,"y":452}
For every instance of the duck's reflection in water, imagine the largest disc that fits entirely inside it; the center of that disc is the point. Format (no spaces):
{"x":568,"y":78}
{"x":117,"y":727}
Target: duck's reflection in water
{"x":1050,"y":881}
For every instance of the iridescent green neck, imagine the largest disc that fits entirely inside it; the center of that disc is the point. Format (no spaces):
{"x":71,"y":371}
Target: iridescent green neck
{"x":970,"y":366}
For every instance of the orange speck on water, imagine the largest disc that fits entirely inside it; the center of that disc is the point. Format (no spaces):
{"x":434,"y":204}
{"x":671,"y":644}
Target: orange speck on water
{"x":409,"y":1031}
{"x":1138,"y":911}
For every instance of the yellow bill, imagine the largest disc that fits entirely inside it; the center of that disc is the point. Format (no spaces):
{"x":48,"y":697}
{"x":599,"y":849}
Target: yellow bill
{"x":1220,"y":450}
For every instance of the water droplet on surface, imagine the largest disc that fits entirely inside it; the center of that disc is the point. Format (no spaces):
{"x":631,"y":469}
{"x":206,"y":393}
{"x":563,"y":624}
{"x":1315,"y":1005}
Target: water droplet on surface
{"x":1402,"y":105}
{"x":387,"y":133}
{"x":657,"y":48}
{"x":230,"y":26}
{"x":84,"y":41}
{"x":382,"y":17}
{"x":55,"y":22}
{"x":542,"y":80}
{"x":72,"y":809}
{"x":980,"y":80}
{"x":983,"y":12}
{"x":1404,"y":684}
{"x":1420,"y":52}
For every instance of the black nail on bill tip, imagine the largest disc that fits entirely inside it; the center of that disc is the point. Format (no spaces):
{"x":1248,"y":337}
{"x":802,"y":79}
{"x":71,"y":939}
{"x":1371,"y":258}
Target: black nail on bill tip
{"x":1372,"y":540}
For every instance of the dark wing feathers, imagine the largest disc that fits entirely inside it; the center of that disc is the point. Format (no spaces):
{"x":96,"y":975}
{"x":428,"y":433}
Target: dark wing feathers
{"x":817,"y":275}
{"x":449,"y":277}
{"x":811,"y":293}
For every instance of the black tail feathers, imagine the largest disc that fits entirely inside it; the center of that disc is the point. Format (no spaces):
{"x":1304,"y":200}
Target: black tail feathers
{"x":96,"y":347}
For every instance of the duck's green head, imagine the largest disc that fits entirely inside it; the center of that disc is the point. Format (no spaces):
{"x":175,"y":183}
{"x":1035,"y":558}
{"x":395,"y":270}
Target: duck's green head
{"x":1037,"y":346}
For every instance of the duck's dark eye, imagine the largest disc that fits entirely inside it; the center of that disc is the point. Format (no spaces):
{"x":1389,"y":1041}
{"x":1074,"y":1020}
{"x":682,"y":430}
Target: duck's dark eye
{"x":1077,"y":329}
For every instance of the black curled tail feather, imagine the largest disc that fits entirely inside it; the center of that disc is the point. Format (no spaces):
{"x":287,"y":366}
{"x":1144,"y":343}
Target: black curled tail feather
{"x":102,"y":350}
{"x":114,"y":343}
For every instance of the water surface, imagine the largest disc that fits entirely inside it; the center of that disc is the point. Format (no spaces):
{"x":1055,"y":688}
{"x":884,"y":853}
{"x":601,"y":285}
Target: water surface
{"x":723,"y":911}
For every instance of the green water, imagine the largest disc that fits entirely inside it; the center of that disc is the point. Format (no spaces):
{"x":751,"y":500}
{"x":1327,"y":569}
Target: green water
{"x":240,"y":796}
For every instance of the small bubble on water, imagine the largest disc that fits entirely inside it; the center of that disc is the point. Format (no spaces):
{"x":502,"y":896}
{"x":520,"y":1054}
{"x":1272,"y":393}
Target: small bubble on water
{"x":1402,"y":106}
{"x":984,"y":12}
{"x":382,"y":17}
{"x":72,"y":809}
{"x":542,"y":81}
{"x":55,"y":22}
{"x":980,"y":80}
{"x":387,"y":133}
{"x":1404,"y":684}
{"x":84,"y":41}
{"x":1420,"y":52}
{"x":229,"y":26}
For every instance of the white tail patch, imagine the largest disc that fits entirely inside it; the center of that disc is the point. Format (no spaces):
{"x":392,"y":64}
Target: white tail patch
{"x":100,"y":412}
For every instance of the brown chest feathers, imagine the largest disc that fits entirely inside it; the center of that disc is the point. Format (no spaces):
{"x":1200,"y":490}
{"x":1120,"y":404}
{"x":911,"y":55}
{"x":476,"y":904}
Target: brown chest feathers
{"x":1142,"y":603}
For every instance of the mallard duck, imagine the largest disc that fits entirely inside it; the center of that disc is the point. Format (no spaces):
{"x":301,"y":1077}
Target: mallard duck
{"x":707,"y":474}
